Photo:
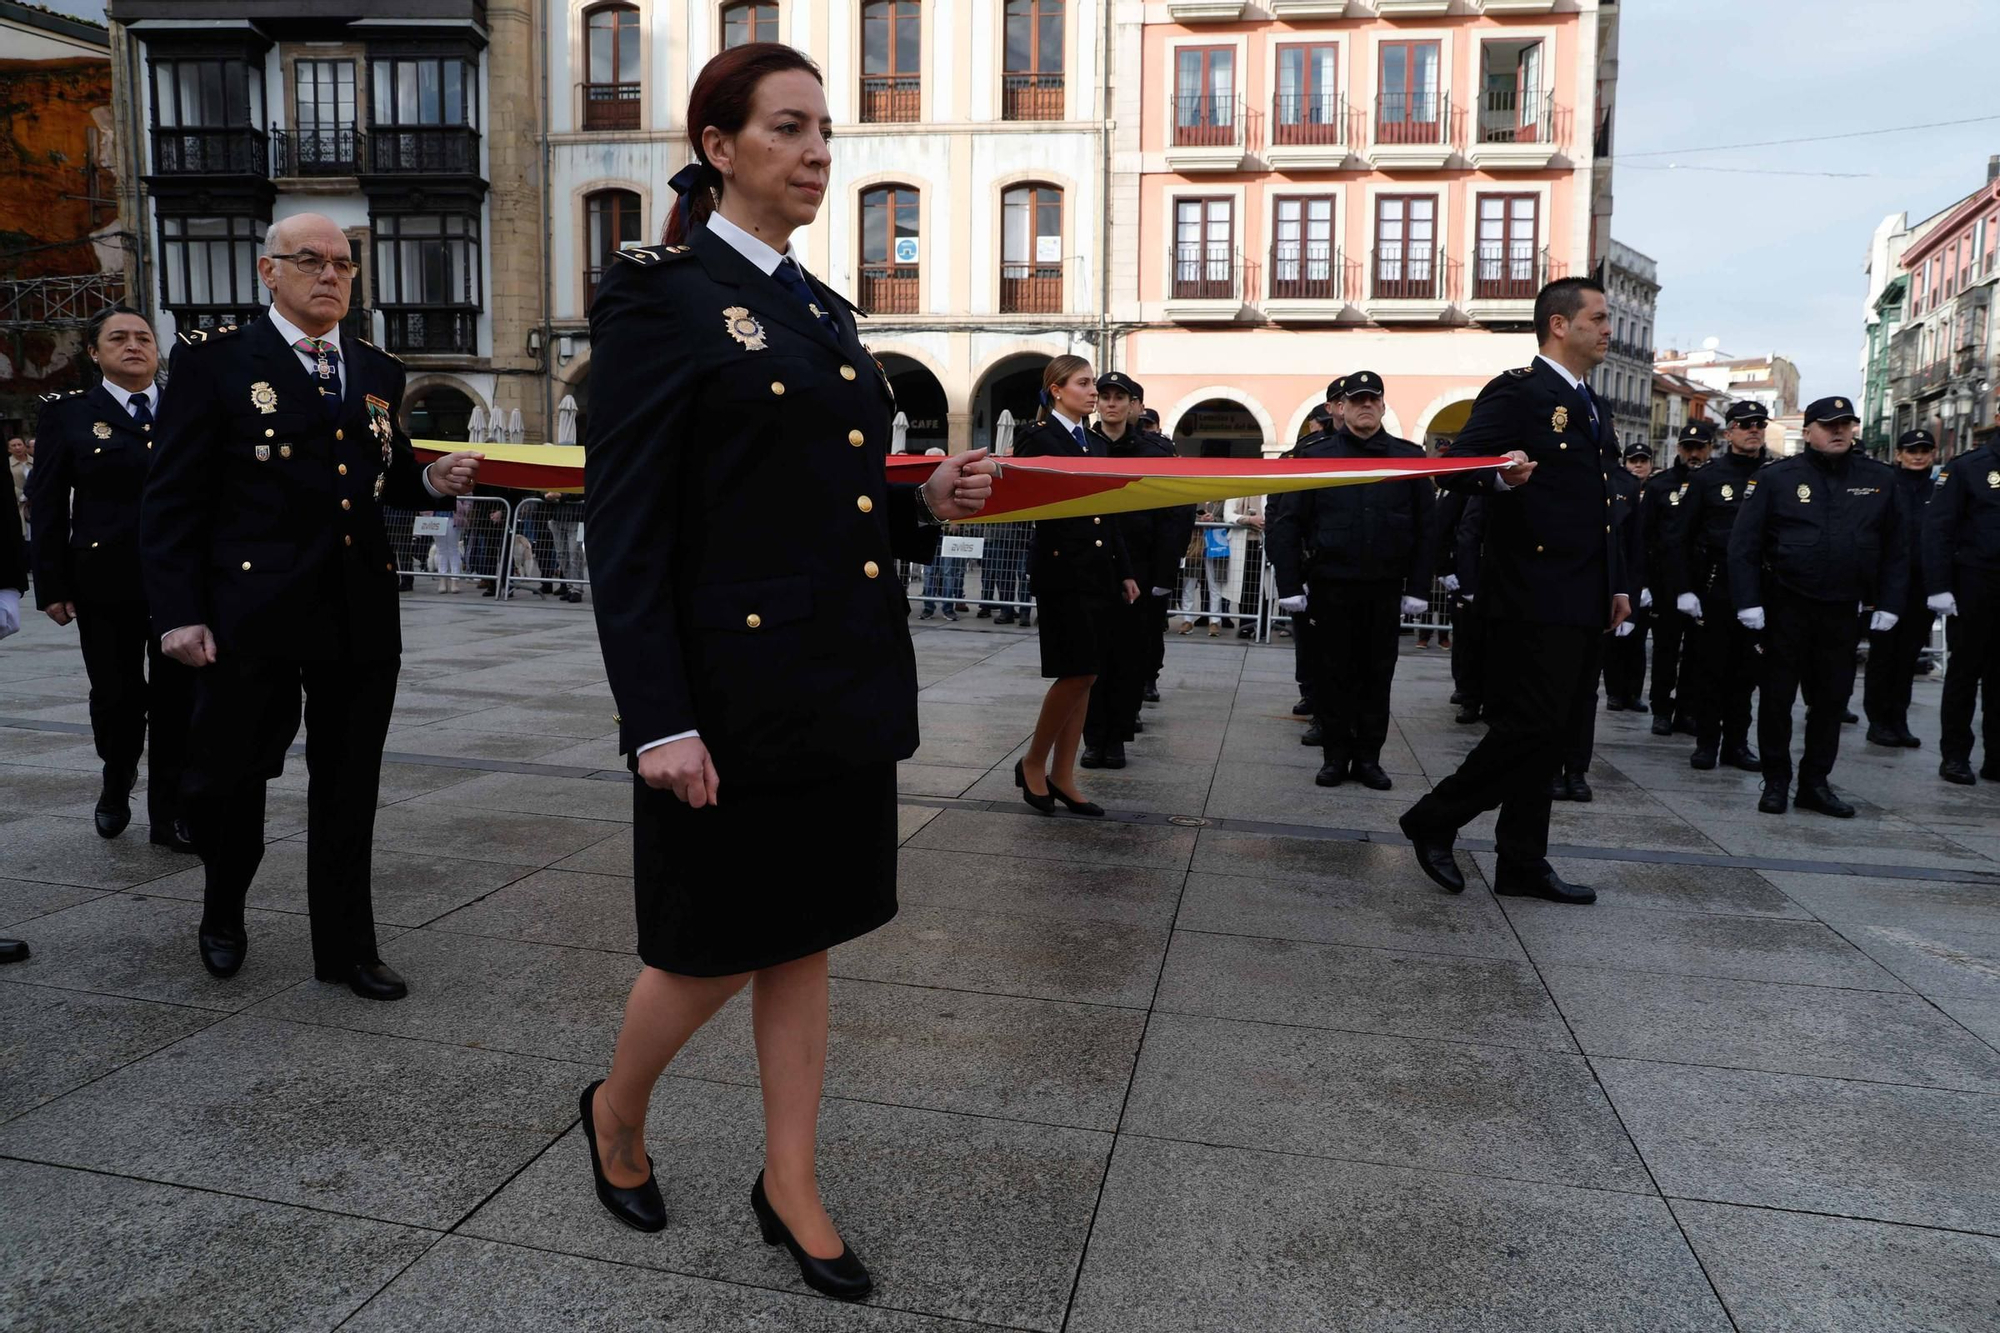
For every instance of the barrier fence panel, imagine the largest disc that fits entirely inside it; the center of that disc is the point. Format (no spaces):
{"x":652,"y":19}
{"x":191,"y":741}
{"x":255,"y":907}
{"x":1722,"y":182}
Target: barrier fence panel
{"x":460,"y":546}
{"x":546,"y":547}
{"x":1205,"y":590}
{"x":979,"y":564}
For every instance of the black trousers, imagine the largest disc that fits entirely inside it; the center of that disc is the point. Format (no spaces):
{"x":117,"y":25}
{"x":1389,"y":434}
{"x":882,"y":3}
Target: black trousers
{"x":1625,"y":659}
{"x":1582,"y":731}
{"x":1670,"y":632}
{"x":134,"y":686}
{"x":1355,"y":628}
{"x":246,"y":714}
{"x":1537,"y":677}
{"x":1892,"y":665}
{"x":1120,"y":688}
{"x":1305,"y":656}
{"x":1155,"y":616}
{"x":1723,"y":670}
{"x":1808,"y":647}
{"x":1468,"y":650}
{"x":1973,"y":635}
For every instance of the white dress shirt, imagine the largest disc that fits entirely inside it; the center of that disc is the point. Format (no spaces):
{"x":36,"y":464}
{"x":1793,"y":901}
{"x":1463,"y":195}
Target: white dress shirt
{"x":151,"y":393}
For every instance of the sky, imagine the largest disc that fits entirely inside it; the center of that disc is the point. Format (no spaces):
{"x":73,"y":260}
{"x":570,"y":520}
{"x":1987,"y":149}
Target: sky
{"x":1771,"y":262}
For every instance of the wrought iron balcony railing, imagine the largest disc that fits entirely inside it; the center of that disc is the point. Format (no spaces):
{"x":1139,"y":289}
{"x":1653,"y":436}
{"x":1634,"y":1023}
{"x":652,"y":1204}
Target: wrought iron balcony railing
{"x":1307,"y":271}
{"x":422,"y":150}
{"x":234,"y":150}
{"x":1412,"y":118}
{"x":316,"y":152}
{"x":891,"y":99}
{"x":1033,"y":289}
{"x":1308,"y":118}
{"x":1031,"y":96}
{"x":435,"y":330}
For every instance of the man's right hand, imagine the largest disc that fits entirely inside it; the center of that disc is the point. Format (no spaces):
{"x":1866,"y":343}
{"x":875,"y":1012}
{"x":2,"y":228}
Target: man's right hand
{"x":684,"y":768}
{"x":1688,"y":605}
{"x":1943,"y":603}
{"x":190,"y":645}
{"x":61,"y":612}
{"x":1519,"y":471}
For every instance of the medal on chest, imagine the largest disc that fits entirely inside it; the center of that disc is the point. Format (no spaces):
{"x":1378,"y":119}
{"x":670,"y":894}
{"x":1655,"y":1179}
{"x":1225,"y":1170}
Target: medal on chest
{"x":1805,"y":494}
{"x":744,"y":328}
{"x":1560,"y":421}
{"x":381,"y":425}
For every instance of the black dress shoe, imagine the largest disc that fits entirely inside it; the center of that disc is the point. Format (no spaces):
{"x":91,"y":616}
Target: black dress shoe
{"x":1957,"y":770}
{"x":1613,"y":704}
{"x":371,"y":981}
{"x":1004,"y":618}
{"x":1636,"y":706}
{"x":1541,"y":884}
{"x":1684,"y":724}
{"x":222,"y":951}
{"x":1744,"y":758}
{"x":639,"y":1207}
{"x":1458,"y":696}
{"x":1044,"y":804}
{"x":1663,"y":724}
{"x":1370,"y":775}
{"x":13,"y":951}
{"x":1314,"y":736}
{"x":1468,"y":714}
{"x":114,"y":803}
{"x":1847,"y":716}
{"x":1092,"y":757}
{"x":1434,"y":858}
{"x":175,"y":837}
{"x":1772,"y":802}
{"x":1703,"y":758}
{"x":1579,"y":790}
{"x":1887,"y":737}
{"x":1558,"y":787}
{"x":842,"y":1276}
{"x":1331,"y":773}
{"x":1151,"y":694}
{"x":984,"y":613}
{"x":1909,"y":739}
{"x":1076,"y":805}
{"x":1820,"y":797}
{"x":1303,"y":708}
{"x":1138,"y":725}
{"x":1114,"y":754}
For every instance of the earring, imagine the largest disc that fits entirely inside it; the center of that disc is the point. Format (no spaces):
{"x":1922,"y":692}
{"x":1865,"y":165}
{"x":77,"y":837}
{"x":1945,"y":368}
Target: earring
{"x":714,"y":197}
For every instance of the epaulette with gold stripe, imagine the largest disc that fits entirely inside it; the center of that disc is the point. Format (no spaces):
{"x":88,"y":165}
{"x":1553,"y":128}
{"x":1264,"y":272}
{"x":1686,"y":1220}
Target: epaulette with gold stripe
{"x":647,"y":255}
{"x":379,"y":351}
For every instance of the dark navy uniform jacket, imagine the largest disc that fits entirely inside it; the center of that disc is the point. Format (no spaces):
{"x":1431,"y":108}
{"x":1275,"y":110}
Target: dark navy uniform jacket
{"x":1824,"y":527}
{"x":1660,"y":498}
{"x":1962,"y":521}
{"x":1075,"y":555}
{"x":1155,"y":539}
{"x":1551,"y":553}
{"x":743,"y":535}
{"x":1380,"y":532}
{"x":1702,"y":518}
{"x":262,"y":516}
{"x":83,"y":498}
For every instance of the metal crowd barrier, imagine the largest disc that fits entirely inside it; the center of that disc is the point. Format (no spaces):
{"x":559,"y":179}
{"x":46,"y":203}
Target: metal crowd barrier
{"x":552,"y":556}
{"x":462,"y":545}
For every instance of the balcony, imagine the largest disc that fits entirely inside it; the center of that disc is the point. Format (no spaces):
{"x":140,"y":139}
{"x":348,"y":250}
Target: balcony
{"x":1033,"y":289}
{"x":611,"y":106}
{"x":214,"y":316}
{"x":422,"y":150}
{"x":1409,"y":284}
{"x":1933,"y":376}
{"x":1513,"y":135}
{"x":889,"y":289}
{"x":1504,"y":284}
{"x":1309,"y":282}
{"x":891,"y":99}
{"x":1309,"y":130}
{"x":1309,"y":9}
{"x":1205,"y":11}
{"x":1412,"y":131}
{"x":1493,"y":7}
{"x":316,"y":152}
{"x":233,"y":150}
{"x":57,"y":300}
{"x":1403,"y":9}
{"x":1031,"y":96}
{"x":1209,"y":284}
{"x":432,"y":330}
{"x":1209,"y":133}
{"x":1631,"y":351}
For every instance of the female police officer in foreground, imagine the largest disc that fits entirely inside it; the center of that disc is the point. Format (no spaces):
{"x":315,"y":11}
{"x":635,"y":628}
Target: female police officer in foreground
{"x":743,"y":542}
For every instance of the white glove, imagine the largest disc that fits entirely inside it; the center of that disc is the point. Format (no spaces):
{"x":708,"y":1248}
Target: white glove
{"x":1751,"y":617}
{"x":1415,"y":606}
{"x":1162,"y":592}
{"x":1291,"y":606}
{"x":1645,"y":598}
{"x":1466,"y":598}
{"x":1944,"y":604}
{"x":1688,"y":605}
{"x":1450,"y":582}
{"x":1624,"y":627}
{"x":10,"y":612}
{"x":1882,"y":622}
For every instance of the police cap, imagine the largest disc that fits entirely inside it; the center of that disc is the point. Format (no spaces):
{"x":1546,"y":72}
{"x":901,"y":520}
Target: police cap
{"x":1149,"y":417}
{"x":1333,"y":389}
{"x":1916,"y":439}
{"x":1320,"y":415}
{"x":1747,"y":410}
{"x":1697,"y":433}
{"x":1359,"y":383}
{"x":1831,"y":409}
{"x":1118,"y":379}
{"x":1638,"y":451}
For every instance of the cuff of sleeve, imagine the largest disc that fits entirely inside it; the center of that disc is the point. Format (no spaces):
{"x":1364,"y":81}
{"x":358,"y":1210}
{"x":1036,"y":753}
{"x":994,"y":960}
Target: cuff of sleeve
{"x":424,"y":473}
{"x":1500,"y":485}
{"x":666,"y":740}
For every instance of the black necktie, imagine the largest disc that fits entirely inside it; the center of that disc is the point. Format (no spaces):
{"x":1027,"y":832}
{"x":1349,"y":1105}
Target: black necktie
{"x":1081,"y":443}
{"x":326,"y":369}
{"x":142,"y":411}
{"x":794,"y":281}
{"x":1590,"y":401}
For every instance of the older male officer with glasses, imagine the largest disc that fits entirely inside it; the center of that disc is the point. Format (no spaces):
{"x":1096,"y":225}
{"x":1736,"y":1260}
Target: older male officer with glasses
{"x":268,"y":570}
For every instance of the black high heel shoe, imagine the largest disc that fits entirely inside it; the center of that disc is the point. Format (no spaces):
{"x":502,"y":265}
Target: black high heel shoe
{"x":1045,"y":803}
{"x":842,"y":1276}
{"x":1075,"y":805}
{"x":639,"y":1207}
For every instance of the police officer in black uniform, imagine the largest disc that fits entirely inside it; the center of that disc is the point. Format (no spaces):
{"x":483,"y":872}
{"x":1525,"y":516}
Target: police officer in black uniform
{"x":1461,"y":522}
{"x":1571,"y":782}
{"x":1355,"y":560}
{"x":1662,"y":495}
{"x":1625,"y":656}
{"x":1554,"y":582}
{"x":1154,"y":540}
{"x":1723,"y":672}
{"x":1326,"y":421}
{"x":268,"y":570}
{"x":1149,"y":426}
{"x":91,"y":454}
{"x":1962,"y":572}
{"x":1818,"y":537}
{"x":1893,"y":653}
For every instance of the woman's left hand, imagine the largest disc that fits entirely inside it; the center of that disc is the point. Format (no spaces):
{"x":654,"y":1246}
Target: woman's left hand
{"x":961,"y":485}
{"x":1131,"y":591}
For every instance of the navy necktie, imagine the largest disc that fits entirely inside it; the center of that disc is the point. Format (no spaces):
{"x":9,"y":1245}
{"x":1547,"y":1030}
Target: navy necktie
{"x":142,"y":411}
{"x":326,"y":368}
{"x":1081,"y":443}
{"x":1590,"y":401}
{"x":794,"y":281}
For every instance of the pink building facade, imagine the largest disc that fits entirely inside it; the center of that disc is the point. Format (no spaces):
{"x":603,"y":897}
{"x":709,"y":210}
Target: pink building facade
{"x":1302,"y":189}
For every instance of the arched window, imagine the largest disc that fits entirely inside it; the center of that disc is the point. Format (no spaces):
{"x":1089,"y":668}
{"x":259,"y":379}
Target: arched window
{"x":611,"y":74}
{"x":611,"y":221}
{"x":891,"y":61}
{"x":749,"y":22}
{"x":889,"y":250}
{"x":1031,"y":80}
{"x":1031,"y":250}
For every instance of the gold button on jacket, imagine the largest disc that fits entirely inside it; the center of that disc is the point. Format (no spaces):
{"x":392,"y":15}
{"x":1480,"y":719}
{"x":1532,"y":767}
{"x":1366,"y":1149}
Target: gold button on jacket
{"x":847,"y":372}
{"x":864,"y":504}
{"x":753,"y":620}
{"x":347,"y":504}
{"x":856,"y":438}
{"x":871,"y":569}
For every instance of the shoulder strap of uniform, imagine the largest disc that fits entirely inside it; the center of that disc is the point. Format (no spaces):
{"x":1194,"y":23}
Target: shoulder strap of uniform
{"x":1521,"y":372}
{"x":196,"y":337}
{"x":645,"y":256}
{"x":51,"y":397}
{"x":386,"y":355}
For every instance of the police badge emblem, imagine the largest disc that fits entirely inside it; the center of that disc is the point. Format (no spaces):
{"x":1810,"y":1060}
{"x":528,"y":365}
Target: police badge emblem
{"x":1993,"y":480}
{"x":263,"y":453}
{"x":1560,"y":421}
{"x":744,"y":328}
{"x":1805,"y":494}
{"x":101,"y":429}
{"x":263,"y":397}
{"x":1729,"y":492}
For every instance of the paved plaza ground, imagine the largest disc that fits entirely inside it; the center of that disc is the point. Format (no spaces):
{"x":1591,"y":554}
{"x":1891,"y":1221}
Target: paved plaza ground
{"x":1222,"y":1061}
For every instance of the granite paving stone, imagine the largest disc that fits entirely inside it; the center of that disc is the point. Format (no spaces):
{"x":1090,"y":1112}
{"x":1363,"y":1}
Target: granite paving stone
{"x":1668,"y":887}
{"x":1098,"y":962}
{"x":472,"y":834}
{"x":407,"y":888}
{"x":537,"y":794}
{"x":54,"y":850}
{"x":1072,"y":890}
{"x":54,"y":1040}
{"x":1693,"y":944}
{"x":1061,"y":837}
{"x":21,"y":901}
{"x":553,"y":907}
{"x":1357,"y":912}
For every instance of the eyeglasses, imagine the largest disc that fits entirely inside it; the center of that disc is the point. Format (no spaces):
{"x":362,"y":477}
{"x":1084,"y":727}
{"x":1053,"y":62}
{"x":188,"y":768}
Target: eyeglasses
{"x":312,"y":264}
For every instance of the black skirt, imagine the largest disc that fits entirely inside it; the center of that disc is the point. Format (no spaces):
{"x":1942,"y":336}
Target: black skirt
{"x":768,"y":875}
{"x":1076,"y":633}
